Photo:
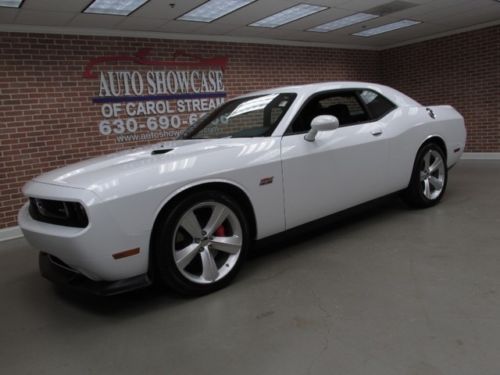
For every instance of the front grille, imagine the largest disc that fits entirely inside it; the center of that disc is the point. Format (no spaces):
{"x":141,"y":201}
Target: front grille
{"x":69,"y":214}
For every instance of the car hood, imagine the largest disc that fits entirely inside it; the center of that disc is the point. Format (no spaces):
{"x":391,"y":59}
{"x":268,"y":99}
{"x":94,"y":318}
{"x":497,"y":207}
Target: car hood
{"x":132,"y":166}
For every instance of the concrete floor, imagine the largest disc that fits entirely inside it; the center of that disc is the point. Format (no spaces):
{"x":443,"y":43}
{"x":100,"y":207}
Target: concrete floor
{"x":384,"y":290}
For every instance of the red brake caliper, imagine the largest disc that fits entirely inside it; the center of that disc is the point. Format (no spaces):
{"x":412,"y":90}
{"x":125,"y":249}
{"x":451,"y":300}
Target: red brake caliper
{"x":220,"y":232}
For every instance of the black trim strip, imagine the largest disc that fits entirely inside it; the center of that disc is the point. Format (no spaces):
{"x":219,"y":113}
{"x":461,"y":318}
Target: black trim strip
{"x":52,"y":270}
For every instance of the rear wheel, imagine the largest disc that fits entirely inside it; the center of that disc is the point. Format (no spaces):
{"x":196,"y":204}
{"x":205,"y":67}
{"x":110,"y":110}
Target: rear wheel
{"x":201,"y":243}
{"x":429,"y":177}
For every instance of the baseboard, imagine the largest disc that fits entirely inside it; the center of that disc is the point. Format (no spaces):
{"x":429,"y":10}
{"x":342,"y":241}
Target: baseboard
{"x":10,"y":233}
{"x":481,"y":156}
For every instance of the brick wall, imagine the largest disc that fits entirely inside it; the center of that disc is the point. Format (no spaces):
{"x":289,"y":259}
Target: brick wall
{"x":47,"y":118}
{"x":462,"y":70}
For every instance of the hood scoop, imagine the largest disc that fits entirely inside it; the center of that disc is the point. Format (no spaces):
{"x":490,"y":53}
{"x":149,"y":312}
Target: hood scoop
{"x":161,"y":151}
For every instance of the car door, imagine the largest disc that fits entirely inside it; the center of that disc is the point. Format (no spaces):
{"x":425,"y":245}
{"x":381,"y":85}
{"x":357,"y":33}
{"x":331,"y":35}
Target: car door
{"x":340,"y":168}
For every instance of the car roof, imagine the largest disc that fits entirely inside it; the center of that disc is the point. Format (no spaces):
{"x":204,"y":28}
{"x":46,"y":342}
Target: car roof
{"x":306,"y":90}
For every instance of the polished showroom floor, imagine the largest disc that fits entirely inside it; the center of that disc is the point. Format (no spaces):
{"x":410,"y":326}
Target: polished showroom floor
{"x":381,"y":290}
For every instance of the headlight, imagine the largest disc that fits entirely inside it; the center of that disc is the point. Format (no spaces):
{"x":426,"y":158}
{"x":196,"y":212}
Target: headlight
{"x":69,"y":214}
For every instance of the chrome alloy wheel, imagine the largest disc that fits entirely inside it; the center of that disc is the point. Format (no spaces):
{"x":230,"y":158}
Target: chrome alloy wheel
{"x":207,"y":242}
{"x":432,"y":174}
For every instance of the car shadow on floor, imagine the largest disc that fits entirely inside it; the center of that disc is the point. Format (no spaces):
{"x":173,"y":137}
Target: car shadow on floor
{"x":378,"y":209}
{"x":122,"y":305}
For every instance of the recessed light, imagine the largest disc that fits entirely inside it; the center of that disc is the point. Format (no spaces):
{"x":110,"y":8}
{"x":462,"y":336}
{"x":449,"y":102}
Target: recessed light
{"x":11,"y":3}
{"x":388,"y":27}
{"x":114,"y":7}
{"x":213,"y":9}
{"x":343,"y":22}
{"x":288,"y":15}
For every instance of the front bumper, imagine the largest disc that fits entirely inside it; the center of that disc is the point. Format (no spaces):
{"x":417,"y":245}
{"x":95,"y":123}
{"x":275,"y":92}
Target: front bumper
{"x":59,"y":273}
{"x":89,"y":251}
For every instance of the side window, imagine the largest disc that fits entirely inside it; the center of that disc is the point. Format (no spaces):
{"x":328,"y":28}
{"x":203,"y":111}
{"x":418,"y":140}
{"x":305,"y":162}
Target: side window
{"x":378,"y":105}
{"x":344,"y":105}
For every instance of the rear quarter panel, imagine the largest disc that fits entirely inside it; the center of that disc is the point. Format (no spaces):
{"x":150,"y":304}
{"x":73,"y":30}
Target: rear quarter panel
{"x":409,"y":127}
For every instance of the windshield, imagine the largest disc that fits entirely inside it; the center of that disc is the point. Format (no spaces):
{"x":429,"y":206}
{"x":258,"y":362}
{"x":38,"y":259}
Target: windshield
{"x":255,"y":116}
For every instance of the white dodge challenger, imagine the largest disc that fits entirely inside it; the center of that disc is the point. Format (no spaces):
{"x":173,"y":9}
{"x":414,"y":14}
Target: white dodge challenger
{"x":184,"y":213}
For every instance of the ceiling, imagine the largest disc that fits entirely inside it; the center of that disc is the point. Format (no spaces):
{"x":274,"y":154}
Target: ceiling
{"x":157,"y":18}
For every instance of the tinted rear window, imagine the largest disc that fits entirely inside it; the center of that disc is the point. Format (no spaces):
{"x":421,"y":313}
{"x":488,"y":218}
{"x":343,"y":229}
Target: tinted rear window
{"x":377,"y":104}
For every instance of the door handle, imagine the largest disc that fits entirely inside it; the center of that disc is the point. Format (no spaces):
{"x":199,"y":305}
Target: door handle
{"x":376,"y":132}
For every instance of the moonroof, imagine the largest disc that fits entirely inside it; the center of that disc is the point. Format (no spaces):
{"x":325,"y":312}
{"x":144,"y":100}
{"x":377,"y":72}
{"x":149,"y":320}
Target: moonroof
{"x":288,"y":15}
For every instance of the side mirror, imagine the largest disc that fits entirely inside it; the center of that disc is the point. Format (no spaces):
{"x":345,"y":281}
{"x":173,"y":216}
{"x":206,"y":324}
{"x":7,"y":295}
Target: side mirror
{"x":320,"y":124}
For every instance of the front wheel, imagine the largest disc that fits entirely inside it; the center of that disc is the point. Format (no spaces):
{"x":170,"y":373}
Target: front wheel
{"x":201,"y":243}
{"x":429,"y":177}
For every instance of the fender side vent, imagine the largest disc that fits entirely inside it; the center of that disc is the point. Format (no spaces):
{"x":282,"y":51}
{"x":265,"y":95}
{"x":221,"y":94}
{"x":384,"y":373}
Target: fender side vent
{"x":161,"y":151}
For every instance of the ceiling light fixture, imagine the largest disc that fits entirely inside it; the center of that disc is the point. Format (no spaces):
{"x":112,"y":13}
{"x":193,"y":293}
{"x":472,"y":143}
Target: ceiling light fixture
{"x":386,"y":28}
{"x":114,"y":7}
{"x":11,"y":3}
{"x":343,"y":22}
{"x":213,"y":9}
{"x":288,"y":15}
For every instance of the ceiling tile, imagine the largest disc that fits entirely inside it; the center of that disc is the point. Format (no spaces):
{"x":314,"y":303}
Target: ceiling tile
{"x":180,"y":27}
{"x":162,"y":8}
{"x":472,"y":18}
{"x":56,"y":5}
{"x":8,"y":15}
{"x":248,"y":31}
{"x":33,"y":17}
{"x":216,"y":28}
{"x":362,"y":5}
{"x":95,"y":20}
{"x":140,"y":23}
{"x":450,"y":3}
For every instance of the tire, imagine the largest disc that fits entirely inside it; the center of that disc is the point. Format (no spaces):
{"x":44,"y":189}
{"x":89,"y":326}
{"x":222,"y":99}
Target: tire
{"x":429,"y":177}
{"x":200,"y":244}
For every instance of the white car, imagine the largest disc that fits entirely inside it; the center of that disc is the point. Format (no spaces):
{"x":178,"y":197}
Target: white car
{"x":184,"y":213}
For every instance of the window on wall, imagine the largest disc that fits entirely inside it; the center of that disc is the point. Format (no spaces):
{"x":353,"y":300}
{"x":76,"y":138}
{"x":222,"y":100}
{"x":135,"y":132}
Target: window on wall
{"x":378,"y":105}
{"x":345,"y":105}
